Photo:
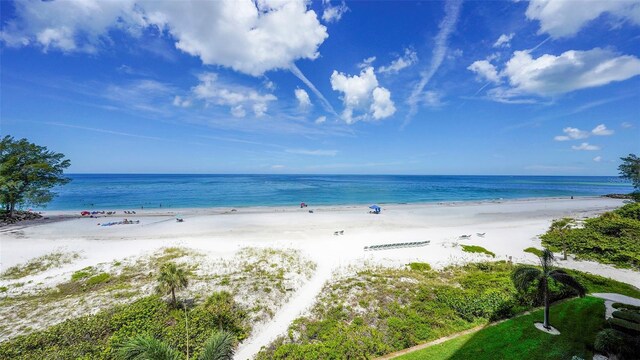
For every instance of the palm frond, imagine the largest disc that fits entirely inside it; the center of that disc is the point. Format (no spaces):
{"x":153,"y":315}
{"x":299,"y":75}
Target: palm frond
{"x":546,"y":259}
{"x":562,"y":277}
{"x":220,"y":346}
{"x":145,"y":347}
{"x":524,"y":276}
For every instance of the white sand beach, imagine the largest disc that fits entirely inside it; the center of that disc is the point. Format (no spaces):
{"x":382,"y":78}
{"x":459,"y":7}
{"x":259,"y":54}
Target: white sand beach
{"x":509,"y":227}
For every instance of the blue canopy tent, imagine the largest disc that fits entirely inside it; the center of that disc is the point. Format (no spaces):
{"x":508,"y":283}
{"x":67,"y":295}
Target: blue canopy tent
{"x":376,"y":209}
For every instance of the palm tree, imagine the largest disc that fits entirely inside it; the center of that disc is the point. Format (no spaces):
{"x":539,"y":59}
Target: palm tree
{"x":145,"y":347}
{"x":172,"y":278}
{"x":561,"y":227}
{"x":523,"y":277}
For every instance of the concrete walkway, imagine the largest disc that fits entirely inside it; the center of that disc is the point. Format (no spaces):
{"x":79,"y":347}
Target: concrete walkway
{"x":610,"y":298}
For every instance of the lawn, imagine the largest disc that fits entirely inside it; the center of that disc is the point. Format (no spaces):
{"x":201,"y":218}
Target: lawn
{"x":578,"y":321}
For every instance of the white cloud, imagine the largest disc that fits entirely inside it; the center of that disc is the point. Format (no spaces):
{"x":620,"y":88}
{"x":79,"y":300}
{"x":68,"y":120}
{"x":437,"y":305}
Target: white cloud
{"x":321,"y":119}
{"x":601,"y":130}
{"x":277,"y":167}
{"x":362,"y":93}
{"x":586,"y":147}
{"x":247,"y":36}
{"x":382,"y":106}
{"x":367,"y":62}
{"x":572,"y":70}
{"x":313,"y":152}
{"x":504,"y":40}
{"x":304,"y":102}
{"x":447,"y":25}
{"x":572,"y":134}
{"x":550,"y":75}
{"x":333,"y":13}
{"x":564,"y":18}
{"x":237,"y":98}
{"x":432,"y":98}
{"x":597,"y":158}
{"x":485,"y":70}
{"x":180,"y":102}
{"x":409,"y":58}
{"x":626,"y":125}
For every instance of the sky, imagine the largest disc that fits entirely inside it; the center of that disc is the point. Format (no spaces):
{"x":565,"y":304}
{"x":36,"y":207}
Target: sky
{"x":287,"y":86}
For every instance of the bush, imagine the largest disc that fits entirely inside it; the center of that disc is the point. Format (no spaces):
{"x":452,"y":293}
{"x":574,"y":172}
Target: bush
{"x":624,"y":325}
{"x":609,"y":341}
{"x":477,"y":249}
{"x":415,"y":266}
{"x":627,"y":315}
{"x":98,"y":279}
{"x":625,"y":306}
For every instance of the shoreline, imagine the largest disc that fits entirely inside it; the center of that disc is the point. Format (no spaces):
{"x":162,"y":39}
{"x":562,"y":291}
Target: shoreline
{"x":211,"y":210}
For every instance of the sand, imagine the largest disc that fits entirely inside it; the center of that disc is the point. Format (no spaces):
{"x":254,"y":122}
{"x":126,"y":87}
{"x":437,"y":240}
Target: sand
{"x":510,"y":227}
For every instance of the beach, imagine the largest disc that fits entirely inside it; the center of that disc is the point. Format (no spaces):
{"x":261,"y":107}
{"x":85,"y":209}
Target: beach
{"x":509,"y":227}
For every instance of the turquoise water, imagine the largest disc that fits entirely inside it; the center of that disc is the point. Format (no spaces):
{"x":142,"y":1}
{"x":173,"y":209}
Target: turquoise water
{"x":119,"y":191}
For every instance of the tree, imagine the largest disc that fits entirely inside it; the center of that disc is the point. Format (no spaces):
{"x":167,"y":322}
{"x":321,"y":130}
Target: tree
{"x":172,"y":278}
{"x":526,"y":276}
{"x":560,"y":228}
{"x":28,"y":172}
{"x":219,"y":346}
{"x":630,"y":170}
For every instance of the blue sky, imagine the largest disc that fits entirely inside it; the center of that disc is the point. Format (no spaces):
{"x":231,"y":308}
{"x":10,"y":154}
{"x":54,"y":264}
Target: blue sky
{"x":540,"y":87}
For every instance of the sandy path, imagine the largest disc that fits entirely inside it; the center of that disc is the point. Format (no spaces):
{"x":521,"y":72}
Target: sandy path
{"x":302,"y":301}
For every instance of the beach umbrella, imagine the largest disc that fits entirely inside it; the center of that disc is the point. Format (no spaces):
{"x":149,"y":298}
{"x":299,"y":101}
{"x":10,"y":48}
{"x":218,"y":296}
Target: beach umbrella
{"x":375,"y":208}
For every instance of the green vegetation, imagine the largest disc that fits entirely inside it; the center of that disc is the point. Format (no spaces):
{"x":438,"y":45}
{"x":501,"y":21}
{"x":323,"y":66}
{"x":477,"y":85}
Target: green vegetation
{"x":99,"y":336}
{"x":219,"y":346}
{"x":98,"y":279}
{"x":630,"y":170}
{"x":534,"y":251}
{"x":39,"y":264}
{"x":172,"y":278}
{"x":28,"y":172}
{"x":527,"y":277}
{"x":380,"y":310}
{"x":611,"y":238}
{"x":415,"y":266}
{"x":477,"y":249}
{"x":622,"y":338}
{"x":83,"y":274}
{"x":578,"y":321}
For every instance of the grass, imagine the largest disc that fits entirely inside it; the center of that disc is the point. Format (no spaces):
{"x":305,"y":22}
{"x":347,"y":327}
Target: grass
{"x":39,"y":264}
{"x":416,"y":266}
{"x":578,"y":321}
{"x":477,"y":249}
{"x":534,"y":251}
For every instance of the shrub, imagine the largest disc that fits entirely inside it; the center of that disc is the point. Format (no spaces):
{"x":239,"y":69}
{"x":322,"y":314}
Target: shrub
{"x":609,"y":341}
{"x":624,"y":325}
{"x":82,"y":274}
{"x":627,"y":315}
{"x":625,"y":306}
{"x":415,"y":266}
{"x":98,"y":279}
{"x":477,"y":249}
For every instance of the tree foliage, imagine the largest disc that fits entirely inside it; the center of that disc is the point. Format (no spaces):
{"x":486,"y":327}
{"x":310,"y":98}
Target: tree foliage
{"x":28,"y":172}
{"x":612,"y":238}
{"x":172,"y":278}
{"x":630,"y":170}
{"x":525,"y":277}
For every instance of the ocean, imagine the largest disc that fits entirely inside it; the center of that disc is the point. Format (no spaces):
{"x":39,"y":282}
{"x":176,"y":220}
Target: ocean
{"x":133,"y":191}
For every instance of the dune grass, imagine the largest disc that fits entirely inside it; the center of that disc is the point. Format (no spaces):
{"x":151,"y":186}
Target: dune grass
{"x":39,"y":264}
{"x":578,"y":321}
{"x":477,"y":249}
